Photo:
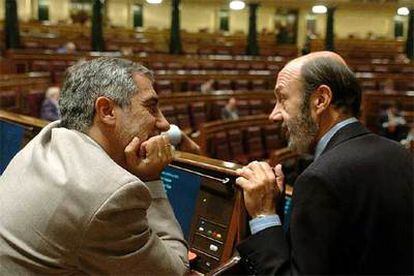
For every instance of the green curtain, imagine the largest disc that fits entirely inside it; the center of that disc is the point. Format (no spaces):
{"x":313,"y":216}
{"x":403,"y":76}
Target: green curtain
{"x":409,"y":49}
{"x":98,"y":43}
{"x":11,"y":25}
{"x":252,"y":45}
{"x":329,"y":39}
{"x":175,"y":39}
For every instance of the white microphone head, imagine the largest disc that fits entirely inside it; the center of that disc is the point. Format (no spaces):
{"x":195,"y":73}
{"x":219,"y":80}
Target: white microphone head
{"x":174,"y":134}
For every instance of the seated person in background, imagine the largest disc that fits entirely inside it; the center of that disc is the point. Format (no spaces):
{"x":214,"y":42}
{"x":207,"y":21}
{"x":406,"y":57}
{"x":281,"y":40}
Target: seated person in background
{"x":388,"y":86}
{"x":229,"y":111}
{"x":207,"y":86}
{"x":392,"y":123}
{"x":50,"y":106}
{"x":352,"y":207}
{"x":84,"y":196}
{"x":67,"y":48}
{"x":127,"y":51}
{"x":401,"y":58}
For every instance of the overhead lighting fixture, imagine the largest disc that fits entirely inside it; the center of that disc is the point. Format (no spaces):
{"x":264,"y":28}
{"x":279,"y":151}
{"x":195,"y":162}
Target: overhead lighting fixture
{"x":154,"y":1}
{"x":237,"y":5}
{"x":403,"y":11}
{"x":319,"y":9}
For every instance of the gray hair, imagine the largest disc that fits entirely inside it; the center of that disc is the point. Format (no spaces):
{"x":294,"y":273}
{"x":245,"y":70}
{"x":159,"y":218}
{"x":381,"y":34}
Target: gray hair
{"x":87,"y":80}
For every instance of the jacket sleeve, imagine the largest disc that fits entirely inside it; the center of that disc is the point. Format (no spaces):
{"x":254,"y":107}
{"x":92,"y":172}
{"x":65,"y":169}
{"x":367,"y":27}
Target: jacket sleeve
{"x":120,"y":238}
{"x":314,"y":230}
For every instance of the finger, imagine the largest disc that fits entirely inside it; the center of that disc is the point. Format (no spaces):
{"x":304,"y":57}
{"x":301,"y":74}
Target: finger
{"x":150,"y":148}
{"x":161,"y":156}
{"x":167,"y":148}
{"x":143,"y":152}
{"x":257,"y":169}
{"x":268,"y":172}
{"x":243,"y":183}
{"x":280,"y":177}
{"x":166,"y":138}
{"x":245,"y":172}
{"x":131,"y":151}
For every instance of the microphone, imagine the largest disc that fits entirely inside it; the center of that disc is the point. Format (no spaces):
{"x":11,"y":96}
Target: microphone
{"x":174,"y":134}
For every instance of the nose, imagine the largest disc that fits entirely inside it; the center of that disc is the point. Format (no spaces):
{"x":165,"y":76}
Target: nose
{"x":276,"y":114}
{"x":162,"y":123}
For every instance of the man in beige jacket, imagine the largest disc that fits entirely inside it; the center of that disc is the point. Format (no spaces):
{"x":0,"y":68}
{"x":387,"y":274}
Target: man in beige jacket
{"x":83,"y":197}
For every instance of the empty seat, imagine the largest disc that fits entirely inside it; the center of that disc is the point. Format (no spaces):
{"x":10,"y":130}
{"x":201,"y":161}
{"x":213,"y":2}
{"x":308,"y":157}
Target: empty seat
{"x":208,"y":65}
{"x":241,"y":85}
{"x":254,"y":143}
{"x":174,"y":66}
{"x":198,"y":114}
{"x":259,"y":85}
{"x":163,"y":86}
{"x":243,"y":107}
{"x":258,"y":66}
{"x":256,"y":107}
{"x":157,"y":66}
{"x":242,"y":66}
{"x":368,"y":84}
{"x":218,"y":147}
{"x":215,"y":110}
{"x":273,"y":138}
{"x":227,"y":65}
{"x":169,"y":113}
{"x":194,"y":85}
{"x":33,"y":101}
{"x":235,"y":138}
{"x":224,"y":85}
{"x":9,"y":100}
{"x":40,"y":65}
{"x":182,"y":115}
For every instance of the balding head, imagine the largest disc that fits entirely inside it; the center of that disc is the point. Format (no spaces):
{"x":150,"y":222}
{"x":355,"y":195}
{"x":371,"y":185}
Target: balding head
{"x":295,"y":65}
{"x":325,"y":68}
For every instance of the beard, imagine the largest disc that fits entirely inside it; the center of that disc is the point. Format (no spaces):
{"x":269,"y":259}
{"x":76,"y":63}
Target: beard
{"x":302,"y":130}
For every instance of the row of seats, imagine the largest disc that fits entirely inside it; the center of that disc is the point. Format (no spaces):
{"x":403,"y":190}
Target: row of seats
{"x":194,"y":115}
{"x":255,"y":141}
{"x":23,"y":93}
{"x":165,"y":86}
{"x":38,"y":36}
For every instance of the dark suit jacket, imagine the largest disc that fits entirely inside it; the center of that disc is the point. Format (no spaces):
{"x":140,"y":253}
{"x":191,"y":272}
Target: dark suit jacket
{"x":352,"y":213}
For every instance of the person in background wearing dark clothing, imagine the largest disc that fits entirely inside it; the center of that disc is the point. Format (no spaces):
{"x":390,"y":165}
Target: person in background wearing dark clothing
{"x":229,"y":111}
{"x":392,"y":124}
{"x":50,"y":106}
{"x":352,"y":207}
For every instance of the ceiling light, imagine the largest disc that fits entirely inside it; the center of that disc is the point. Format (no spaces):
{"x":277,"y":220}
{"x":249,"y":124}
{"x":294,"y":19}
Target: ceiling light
{"x":237,"y":5}
{"x":154,"y":1}
{"x":403,"y":11}
{"x":319,"y":9}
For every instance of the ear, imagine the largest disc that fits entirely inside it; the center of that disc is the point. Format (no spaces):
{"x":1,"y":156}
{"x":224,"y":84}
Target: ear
{"x":321,"y":99}
{"x":105,"y":110}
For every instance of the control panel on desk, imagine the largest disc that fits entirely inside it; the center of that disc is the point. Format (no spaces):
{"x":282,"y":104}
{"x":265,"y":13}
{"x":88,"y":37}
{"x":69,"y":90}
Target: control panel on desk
{"x":204,"y":202}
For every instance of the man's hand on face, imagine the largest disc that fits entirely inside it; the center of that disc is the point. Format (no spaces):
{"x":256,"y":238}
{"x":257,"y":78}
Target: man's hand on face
{"x":262,"y":187}
{"x":146,"y":160}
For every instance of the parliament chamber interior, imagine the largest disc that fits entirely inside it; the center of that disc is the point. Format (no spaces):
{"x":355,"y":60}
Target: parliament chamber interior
{"x":203,"y":54}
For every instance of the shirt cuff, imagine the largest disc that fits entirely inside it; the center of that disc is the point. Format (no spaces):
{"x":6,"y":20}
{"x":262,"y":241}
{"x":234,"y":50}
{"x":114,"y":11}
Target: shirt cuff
{"x":262,"y":223}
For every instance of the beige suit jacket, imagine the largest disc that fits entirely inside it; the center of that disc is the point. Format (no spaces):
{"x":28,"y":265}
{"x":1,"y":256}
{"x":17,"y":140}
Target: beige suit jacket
{"x":67,"y":208}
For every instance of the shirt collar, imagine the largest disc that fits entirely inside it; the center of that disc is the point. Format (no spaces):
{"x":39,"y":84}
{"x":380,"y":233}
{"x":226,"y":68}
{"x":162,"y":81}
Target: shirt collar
{"x":323,"y":142}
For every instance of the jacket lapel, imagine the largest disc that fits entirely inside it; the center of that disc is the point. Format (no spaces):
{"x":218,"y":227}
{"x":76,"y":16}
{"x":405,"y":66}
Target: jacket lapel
{"x":347,"y":132}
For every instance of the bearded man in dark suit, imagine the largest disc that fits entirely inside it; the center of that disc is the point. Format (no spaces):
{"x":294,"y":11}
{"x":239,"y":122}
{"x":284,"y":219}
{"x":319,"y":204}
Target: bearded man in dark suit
{"x":353,"y":206}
